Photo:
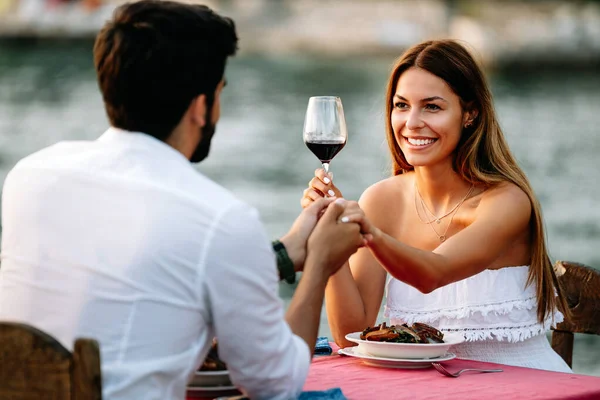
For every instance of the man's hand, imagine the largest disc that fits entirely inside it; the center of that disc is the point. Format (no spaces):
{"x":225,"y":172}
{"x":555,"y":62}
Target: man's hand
{"x":296,"y":238}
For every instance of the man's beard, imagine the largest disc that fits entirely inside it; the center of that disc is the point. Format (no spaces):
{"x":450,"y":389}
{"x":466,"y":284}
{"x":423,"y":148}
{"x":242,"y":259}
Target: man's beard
{"x":201,"y":152}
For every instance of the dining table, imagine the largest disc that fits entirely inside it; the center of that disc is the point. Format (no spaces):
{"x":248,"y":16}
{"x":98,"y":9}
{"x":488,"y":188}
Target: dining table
{"x":359,"y":381}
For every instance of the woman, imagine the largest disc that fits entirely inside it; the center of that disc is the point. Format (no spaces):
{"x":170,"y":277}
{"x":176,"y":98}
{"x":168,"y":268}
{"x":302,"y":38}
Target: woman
{"x":457,"y":227}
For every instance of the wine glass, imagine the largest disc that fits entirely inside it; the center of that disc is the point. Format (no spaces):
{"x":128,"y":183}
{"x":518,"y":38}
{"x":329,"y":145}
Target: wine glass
{"x":325,"y":132}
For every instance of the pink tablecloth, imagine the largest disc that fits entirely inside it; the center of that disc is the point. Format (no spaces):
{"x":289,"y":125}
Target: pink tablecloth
{"x":359,"y":381}
{"x":362,"y":382}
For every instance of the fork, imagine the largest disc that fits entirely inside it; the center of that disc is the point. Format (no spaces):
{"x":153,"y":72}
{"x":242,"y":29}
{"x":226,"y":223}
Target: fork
{"x":456,"y":374}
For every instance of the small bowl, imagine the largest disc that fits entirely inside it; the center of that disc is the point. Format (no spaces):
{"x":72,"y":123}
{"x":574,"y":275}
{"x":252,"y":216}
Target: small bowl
{"x":210,"y":379}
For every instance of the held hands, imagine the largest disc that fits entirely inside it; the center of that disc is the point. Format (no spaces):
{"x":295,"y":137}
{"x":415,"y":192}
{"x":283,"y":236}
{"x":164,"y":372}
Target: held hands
{"x":296,"y":238}
{"x":321,"y":186}
{"x":328,"y":228}
{"x":295,"y":241}
{"x":333,"y":241}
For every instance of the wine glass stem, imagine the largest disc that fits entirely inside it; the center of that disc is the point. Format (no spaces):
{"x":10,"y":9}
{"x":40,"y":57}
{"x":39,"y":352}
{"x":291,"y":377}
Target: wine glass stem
{"x":326,"y":167}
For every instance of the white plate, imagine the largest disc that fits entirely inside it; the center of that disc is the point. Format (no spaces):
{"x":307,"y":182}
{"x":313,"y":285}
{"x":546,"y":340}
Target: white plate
{"x":405,"y":350}
{"x":210,"y":378}
{"x":406,"y":363}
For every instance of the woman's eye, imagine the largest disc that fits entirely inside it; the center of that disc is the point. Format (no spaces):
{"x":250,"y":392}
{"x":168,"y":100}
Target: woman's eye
{"x":432,"y":107}
{"x":401,"y":105}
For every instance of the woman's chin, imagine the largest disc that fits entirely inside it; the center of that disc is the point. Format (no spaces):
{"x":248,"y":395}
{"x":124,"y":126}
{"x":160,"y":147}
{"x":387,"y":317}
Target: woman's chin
{"x":426,"y":160}
{"x":419,"y":161}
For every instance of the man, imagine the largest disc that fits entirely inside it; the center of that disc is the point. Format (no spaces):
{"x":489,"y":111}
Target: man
{"x":122,"y":240}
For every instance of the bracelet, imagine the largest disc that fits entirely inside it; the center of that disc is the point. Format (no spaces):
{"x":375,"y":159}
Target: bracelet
{"x":285,"y":265}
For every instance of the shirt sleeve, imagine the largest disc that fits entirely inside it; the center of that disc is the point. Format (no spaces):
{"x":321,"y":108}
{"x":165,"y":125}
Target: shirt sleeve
{"x":265,"y":359}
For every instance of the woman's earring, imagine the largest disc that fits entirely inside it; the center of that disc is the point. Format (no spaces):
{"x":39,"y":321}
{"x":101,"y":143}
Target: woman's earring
{"x":468,"y":124}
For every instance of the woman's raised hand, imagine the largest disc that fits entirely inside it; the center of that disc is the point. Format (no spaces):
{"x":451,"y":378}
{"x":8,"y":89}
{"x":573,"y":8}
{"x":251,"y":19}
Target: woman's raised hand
{"x":319,"y":186}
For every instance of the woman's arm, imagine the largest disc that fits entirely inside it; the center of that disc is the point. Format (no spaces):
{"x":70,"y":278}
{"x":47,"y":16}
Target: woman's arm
{"x":502,"y":215}
{"x":353,"y":295}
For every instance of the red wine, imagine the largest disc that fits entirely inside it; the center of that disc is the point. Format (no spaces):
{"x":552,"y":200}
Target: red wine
{"x":325,"y":150}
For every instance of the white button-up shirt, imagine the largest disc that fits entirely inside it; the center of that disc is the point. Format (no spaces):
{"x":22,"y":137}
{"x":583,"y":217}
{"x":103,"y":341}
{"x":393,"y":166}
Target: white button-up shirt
{"x":122,"y":240}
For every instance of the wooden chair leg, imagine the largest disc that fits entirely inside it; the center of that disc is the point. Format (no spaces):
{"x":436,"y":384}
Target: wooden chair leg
{"x":87,"y":377}
{"x":562,"y":343}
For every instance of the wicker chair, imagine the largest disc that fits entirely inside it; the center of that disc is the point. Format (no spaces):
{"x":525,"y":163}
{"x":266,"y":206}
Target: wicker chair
{"x":581,"y":285}
{"x":34,"y":365}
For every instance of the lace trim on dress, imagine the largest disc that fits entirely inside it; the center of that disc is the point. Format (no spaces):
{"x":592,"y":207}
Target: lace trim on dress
{"x":511,"y":334}
{"x":493,"y":304}
{"x":460,"y":312}
{"x":497,"y":321}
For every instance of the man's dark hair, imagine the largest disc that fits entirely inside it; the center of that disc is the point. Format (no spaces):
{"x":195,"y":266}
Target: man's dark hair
{"x":154,"y":57}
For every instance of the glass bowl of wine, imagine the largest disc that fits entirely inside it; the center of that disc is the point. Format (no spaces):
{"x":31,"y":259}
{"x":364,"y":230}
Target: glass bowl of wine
{"x":325,"y":132}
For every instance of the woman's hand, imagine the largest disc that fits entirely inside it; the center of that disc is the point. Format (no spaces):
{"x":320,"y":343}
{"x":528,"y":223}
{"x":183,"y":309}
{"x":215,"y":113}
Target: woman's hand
{"x":354,"y":214}
{"x":319,"y":186}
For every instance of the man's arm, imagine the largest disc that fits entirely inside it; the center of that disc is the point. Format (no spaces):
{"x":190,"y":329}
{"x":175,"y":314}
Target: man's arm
{"x":264,"y":357}
{"x":328,"y":248}
{"x":267,"y":357}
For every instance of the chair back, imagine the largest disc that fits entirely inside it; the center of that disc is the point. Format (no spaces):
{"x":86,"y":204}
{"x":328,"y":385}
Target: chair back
{"x":581,"y":287}
{"x":34,"y":365}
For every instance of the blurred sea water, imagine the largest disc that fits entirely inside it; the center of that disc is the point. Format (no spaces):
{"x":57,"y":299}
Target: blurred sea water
{"x":48,"y":93}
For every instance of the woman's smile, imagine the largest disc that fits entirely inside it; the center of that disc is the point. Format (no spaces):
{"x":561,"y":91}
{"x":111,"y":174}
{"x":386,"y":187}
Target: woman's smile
{"x":419,"y":143}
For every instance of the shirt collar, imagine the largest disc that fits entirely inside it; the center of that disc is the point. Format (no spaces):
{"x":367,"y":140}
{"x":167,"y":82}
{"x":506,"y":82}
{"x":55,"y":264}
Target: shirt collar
{"x":138,"y":139}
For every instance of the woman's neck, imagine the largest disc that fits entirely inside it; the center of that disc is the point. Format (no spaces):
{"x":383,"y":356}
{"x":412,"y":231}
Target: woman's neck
{"x":440,"y":187}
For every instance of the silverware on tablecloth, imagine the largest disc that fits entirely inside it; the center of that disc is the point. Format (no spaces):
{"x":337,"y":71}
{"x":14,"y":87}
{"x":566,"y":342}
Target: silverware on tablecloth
{"x":456,"y":374}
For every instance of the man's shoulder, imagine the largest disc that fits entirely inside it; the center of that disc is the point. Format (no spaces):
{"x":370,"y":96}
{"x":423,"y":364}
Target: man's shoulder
{"x":177,"y":181}
{"x":55,"y":153}
{"x":207,"y":191}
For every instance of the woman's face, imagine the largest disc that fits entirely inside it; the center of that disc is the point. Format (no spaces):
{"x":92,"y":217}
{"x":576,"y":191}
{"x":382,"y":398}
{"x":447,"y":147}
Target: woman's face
{"x":427,"y":118}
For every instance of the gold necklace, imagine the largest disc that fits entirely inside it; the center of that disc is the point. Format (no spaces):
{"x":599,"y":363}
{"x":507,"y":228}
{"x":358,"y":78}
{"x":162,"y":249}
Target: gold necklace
{"x":437,"y":219}
{"x":443,"y":236}
{"x":454,"y":210}
{"x":418,"y":213}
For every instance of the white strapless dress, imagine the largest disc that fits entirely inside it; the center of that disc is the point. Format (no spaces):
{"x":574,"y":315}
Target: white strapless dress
{"x":494,"y":311}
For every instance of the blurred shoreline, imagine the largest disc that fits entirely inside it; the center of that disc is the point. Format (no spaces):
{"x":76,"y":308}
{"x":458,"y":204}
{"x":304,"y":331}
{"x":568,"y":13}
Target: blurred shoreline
{"x":543,"y":34}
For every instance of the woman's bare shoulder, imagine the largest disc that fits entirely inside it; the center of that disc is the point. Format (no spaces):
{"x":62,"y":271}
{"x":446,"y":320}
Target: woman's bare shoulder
{"x":507,"y":195}
{"x":387,"y":191}
{"x":505,"y":191}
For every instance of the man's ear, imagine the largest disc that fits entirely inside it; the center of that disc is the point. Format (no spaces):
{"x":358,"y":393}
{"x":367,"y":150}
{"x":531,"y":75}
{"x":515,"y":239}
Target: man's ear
{"x":198,"y":110}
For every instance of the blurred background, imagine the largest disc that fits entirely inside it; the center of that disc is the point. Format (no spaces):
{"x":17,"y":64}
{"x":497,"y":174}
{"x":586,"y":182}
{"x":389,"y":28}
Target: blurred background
{"x":541,"y":57}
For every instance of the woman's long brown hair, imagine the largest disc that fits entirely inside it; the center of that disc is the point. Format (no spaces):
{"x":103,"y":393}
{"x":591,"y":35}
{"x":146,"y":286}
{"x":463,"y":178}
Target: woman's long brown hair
{"x":482,"y":155}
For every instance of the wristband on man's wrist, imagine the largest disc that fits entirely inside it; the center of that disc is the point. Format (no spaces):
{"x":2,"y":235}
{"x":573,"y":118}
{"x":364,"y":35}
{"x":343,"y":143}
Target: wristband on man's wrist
{"x":285,"y":265}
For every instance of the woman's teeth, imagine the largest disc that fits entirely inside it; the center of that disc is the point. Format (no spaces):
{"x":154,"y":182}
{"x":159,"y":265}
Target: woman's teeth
{"x":420,"y":142}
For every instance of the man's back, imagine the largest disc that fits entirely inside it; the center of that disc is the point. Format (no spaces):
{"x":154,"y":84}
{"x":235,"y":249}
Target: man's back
{"x":112,"y":239}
